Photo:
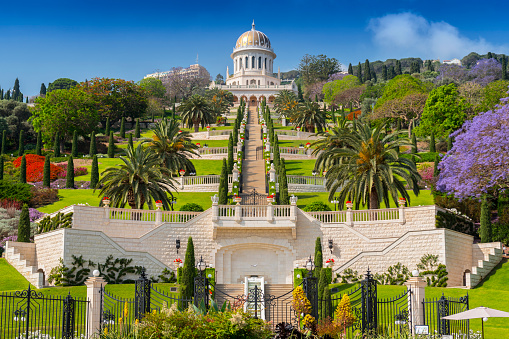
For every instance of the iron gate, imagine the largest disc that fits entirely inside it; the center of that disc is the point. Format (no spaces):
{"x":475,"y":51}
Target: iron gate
{"x":28,"y":313}
{"x":435,"y":309}
{"x":253,"y":198}
{"x":394,"y":314}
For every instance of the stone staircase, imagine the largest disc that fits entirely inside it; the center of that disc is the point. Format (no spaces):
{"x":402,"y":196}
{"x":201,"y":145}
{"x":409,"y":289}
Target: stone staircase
{"x":22,"y":257}
{"x":228,"y":292}
{"x":491,"y":254}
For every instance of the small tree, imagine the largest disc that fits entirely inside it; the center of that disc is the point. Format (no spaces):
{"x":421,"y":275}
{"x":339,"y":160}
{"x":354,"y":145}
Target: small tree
{"x":432,"y":143}
{"x":283,"y":184}
{"x":322,"y":284}
{"x":4,"y":142}
{"x":21,"y":146}
{"x":56,"y":146}
{"x":94,"y":174}
{"x":93,"y":145}
{"x":223,"y":185}
{"x":137,"y":129}
{"x":343,"y":316}
{"x":38,"y":145}
{"x":74,"y":149}
{"x":23,"y":170}
{"x":24,"y":225}
{"x":46,"y":172}
{"x":107,"y":129}
{"x":436,"y":171}
{"x":122,"y":128}
{"x":485,"y":229}
{"x":230,"y":155}
{"x":189,"y":271}
{"x":69,"y":183}
{"x":131,"y":140}
{"x":111,"y":146}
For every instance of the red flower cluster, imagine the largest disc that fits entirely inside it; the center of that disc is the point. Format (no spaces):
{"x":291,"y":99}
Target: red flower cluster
{"x":35,"y":171}
{"x":330,"y":261}
{"x":178,"y":260}
{"x":159,"y":202}
{"x":31,"y":158}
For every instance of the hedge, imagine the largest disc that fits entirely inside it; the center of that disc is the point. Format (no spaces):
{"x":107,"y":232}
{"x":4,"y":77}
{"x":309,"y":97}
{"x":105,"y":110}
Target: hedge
{"x":455,"y":223}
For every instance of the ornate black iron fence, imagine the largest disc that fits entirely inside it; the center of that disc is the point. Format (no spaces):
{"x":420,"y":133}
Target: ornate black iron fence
{"x":435,"y":309}
{"x":29,"y":314}
{"x":394,"y":314}
{"x":253,"y":198}
{"x":116,"y":312}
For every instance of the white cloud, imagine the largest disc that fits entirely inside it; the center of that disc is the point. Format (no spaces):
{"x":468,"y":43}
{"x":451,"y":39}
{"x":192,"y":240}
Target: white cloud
{"x":410,"y":35}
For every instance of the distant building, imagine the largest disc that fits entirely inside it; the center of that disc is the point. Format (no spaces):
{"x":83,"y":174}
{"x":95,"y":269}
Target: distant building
{"x":193,"y":71}
{"x":453,"y":62}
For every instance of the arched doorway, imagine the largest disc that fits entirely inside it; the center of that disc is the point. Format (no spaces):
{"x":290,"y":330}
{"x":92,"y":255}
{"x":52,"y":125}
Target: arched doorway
{"x":235,"y":99}
{"x":244,"y":98}
{"x":253,"y":101}
{"x":263,"y":98}
{"x":271,"y":99}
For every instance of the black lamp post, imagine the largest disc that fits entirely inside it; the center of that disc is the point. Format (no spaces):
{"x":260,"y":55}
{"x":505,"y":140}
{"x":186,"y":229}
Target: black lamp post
{"x":310,"y":285}
{"x":177,"y":245}
{"x":331,"y":245}
{"x":310,"y":265}
{"x":201,"y":285}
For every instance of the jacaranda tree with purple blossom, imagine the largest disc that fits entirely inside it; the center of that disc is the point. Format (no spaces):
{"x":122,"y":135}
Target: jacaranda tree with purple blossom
{"x":478,"y":162}
{"x":486,"y":71}
{"x":456,"y":73}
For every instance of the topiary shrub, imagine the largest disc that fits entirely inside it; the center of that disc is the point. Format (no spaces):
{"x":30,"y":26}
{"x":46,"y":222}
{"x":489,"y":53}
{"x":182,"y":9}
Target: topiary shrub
{"x":316,"y":206}
{"x":191,"y":207}
{"x":58,"y":221}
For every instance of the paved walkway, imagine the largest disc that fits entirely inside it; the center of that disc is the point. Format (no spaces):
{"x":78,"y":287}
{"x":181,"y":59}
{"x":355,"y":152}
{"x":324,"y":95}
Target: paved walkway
{"x":254,"y":170}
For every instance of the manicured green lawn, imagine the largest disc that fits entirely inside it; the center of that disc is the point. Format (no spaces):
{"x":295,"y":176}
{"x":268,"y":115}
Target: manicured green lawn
{"x":212,"y":143}
{"x":10,"y":279}
{"x":294,"y":143}
{"x":207,"y":167}
{"x":300,"y":167}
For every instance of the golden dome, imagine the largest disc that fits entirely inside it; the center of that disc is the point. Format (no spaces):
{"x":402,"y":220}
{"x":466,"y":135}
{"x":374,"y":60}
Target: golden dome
{"x":253,"y":38}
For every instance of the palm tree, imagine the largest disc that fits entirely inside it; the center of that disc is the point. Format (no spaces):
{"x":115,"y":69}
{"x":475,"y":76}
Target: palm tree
{"x":285,"y":102}
{"x":368,"y":168}
{"x":196,"y":111}
{"x":173,"y":146}
{"x":329,"y":141}
{"x":140,"y":179}
{"x":308,"y":115}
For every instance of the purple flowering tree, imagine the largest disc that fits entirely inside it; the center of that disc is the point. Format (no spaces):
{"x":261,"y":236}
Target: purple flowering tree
{"x":486,"y":71}
{"x":478,"y":162}
{"x":456,"y":73}
{"x":336,"y":76}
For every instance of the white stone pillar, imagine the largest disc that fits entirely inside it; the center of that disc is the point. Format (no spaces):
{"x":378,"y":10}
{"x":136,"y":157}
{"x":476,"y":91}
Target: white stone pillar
{"x":272,"y":173}
{"x":283,"y":121}
{"x":239,"y":146}
{"x":267,"y":147}
{"x":215,"y":207}
{"x":415,"y":298}
{"x":265,"y":129}
{"x":293,"y":208}
{"x":308,"y":152}
{"x":159,"y":216}
{"x":94,"y":285}
{"x":402,"y":218}
{"x":270,"y":212}
{"x":235,"y":172}
{"x":298,"y":133}
{"x":238,"y":212}
{"x":349,"y":214}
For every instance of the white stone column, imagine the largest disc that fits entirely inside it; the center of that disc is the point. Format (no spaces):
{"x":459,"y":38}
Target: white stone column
{"x":159,"y":216}
{"x":267,"y":146}
{"x":417,"y":294}
{"x":94,"y":285}
{"x":349,"y":214}
{"x":293,"y":208}
{"x":235,"y":172}
{"x":215,"y":207}
{"x":270,"y":212}
{"x":402,"y":218}
{"x":283,"y":121}
{"x":272,"y":173}
{"x":308,"y":152}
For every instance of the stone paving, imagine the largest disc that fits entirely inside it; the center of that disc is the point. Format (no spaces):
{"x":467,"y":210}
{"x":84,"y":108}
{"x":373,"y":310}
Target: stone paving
{"x":253,"y":176}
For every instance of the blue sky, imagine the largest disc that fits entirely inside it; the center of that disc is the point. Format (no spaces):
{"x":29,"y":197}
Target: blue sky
{"x":45,"y":40}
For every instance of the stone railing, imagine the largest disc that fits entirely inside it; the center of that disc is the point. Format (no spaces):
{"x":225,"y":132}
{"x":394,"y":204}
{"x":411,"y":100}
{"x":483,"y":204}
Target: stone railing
{"x":215,"y":150}
{"x":305,"y":180}
{"x":202,"y":180}
{"x":349,"y":216}
{"x":292,"y":134}
{"x":240,"y":212}
{"x":156,"y":216}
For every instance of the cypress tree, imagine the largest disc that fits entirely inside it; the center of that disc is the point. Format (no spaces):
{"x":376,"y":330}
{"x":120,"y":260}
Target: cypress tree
{"x":391,"y":73}
{"x":318,"y":253}
{"x":326,"y":303}
{"x":46,"y":172}
{"x":350,"y":69}
{"x":94,"y":174}
{"x":111,"y":146}
{"x":504,"y":67}
{"x":21,"y":148}
{"x":367,"y":71}
{"x":43,"y":89}
{"x":188,"y":271}
{"x":230,"y":154}
{"x":373,"y":76}
{"x":173,"y":112}
{"x":283,"y":184}
{"x":414,"y":144}
{"x":4,"y":142}
{"x":38,"y":145}
{"x":69,"y":183}
{"x":485,"y":229}
{"x":16,"y":91}
{"x":108,"y":127}
{"x":56,"y":147}
{"x":359,"y":73}
{"x":74,"y":149}
{"x":137,"y":129}
{"x":384,"y":72}
{"x":23,"y":170}
{"x":1,"y":167}
{"x":432,"y":144}
{"x":276,"y":155}
{"x":122,"y":128}
{"x":322,"y":283}
{"x":24,"y":225}
{"x":399,"y":71}
{"x":130,"y":142}
{"x":93,"y":145}
{"x":436,"y":171}
{"x":223,"y":184}
{"x":449,"y":144}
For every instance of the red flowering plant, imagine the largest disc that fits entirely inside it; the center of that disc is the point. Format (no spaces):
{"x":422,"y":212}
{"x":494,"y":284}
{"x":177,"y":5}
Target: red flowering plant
{"x":35,"y":171}
{"x":106,"y":198}
{"x":178,"y":261}
{"x":330,"y":261}
{"x":30,"y":159}
{"x":159,"y":202}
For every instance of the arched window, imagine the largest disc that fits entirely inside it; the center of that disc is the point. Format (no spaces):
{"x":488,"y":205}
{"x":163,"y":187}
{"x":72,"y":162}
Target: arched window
{"x":258,"y":82}
{"x":247,"y":60}
{"x":259,"y":62}
{"x":253,"y":62}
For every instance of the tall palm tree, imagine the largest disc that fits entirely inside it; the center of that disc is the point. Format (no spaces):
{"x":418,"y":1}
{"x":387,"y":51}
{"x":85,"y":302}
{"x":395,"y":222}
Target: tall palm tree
{"x":285,"y":102}
{"x":196,"y":111}
{"x":368,"y":168}
{"x":308,"y":115}
{"x":140,"y":179}
{"x":328,"y":142}
{"x":173,"y":146}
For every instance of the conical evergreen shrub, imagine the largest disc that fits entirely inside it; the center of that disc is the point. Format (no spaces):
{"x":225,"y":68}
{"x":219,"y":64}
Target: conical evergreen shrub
{"x":318,"y":253}
{"x":69,"y":183}
{"x":137,"y":129}
{"x":432,"y":143}
{"x":38,"y":145}
{"x":56,"y":146}
{"x":108,"y":127}
{"x":111,"y":146}
{"x":122,"y":128}
{"x":46,"y":179}
{"x":93,"y":145}
{"x":188,"y":271}
{"x":131,"y":140}
{"x":23,"y":170}
{"x":21,"y":148}
{"x":4,"y":142}
{"x":485,"y":228}
{"x":24,"y":225}
{"x":74,"y":149}
{"x":284,"y":199}
{"x":230,"y":154}
{"x":94,"y":174}
{"x":223,"y":184}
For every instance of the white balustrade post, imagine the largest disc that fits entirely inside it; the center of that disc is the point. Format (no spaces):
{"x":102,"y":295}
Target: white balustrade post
{"x":298,"y":133}
{"x":208,"y":132}
{"x":293,"y":208}
{"x":270,"y":212}
{"x":235,"y":172}
{"x":349,"y":214}
{"x":238,"y":212}
{"x":159,"y":216}
{"x":106,"y":204}
{"x":264,"y":129}
{"x":239,"y":146}
{"x":402,"y":218}
{"x":272,"y":173}
{"x":308,"y":152}
{"x":267,"y":147}
{"x":283,"y":121}
{"x":94,"y":285}
{"x":417,"y":294}
{"x":215,"y":207}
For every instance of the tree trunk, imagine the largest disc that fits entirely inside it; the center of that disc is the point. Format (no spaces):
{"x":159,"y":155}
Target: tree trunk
{"x":61,"y":146}
{"x":373,"y":199}
{"x":310,"y":128}
{"x":410,"y":124}
{"x":196,"y":124}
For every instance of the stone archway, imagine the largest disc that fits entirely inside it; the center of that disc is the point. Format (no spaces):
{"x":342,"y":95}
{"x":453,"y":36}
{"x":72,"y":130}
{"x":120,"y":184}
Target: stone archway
{"x":253,"y":100}
{"x":264,"y":257}
{"x":263,"y":98}
{"x":235,"y":99}
{"x":271,"y":99}
{"x":244,"y":98}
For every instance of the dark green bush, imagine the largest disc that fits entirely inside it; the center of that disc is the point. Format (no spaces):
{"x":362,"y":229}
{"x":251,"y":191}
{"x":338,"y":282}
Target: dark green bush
{"x":316,"y":206}
{"x":455,"y":222}
{"x":425,"y":156}
{"x":468,"y":207}
{"x":16,"y":191}
{"x":191,"y":207}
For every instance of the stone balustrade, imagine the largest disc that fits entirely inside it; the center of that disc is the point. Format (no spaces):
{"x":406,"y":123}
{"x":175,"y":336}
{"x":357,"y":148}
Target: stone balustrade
{"x":361,"y":216}
{"x":205,"y":151}
{"x":196,"y":180}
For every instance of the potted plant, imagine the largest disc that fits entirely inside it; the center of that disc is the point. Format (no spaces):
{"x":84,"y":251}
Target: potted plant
{"x":402,"y":202}
{"x":106,"y":202}
{"x":178,"y":262}
{"x":236,"y":198}
{"x":182,"y":172}
{"x":329,"y":262}
{"x":349,"y":205}
{"x":270,"y":198}
{"x":159,"y":204}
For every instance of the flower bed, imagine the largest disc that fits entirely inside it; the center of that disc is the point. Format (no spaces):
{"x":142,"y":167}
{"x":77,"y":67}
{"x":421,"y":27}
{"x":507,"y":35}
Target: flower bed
{"x":30,"y":159}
